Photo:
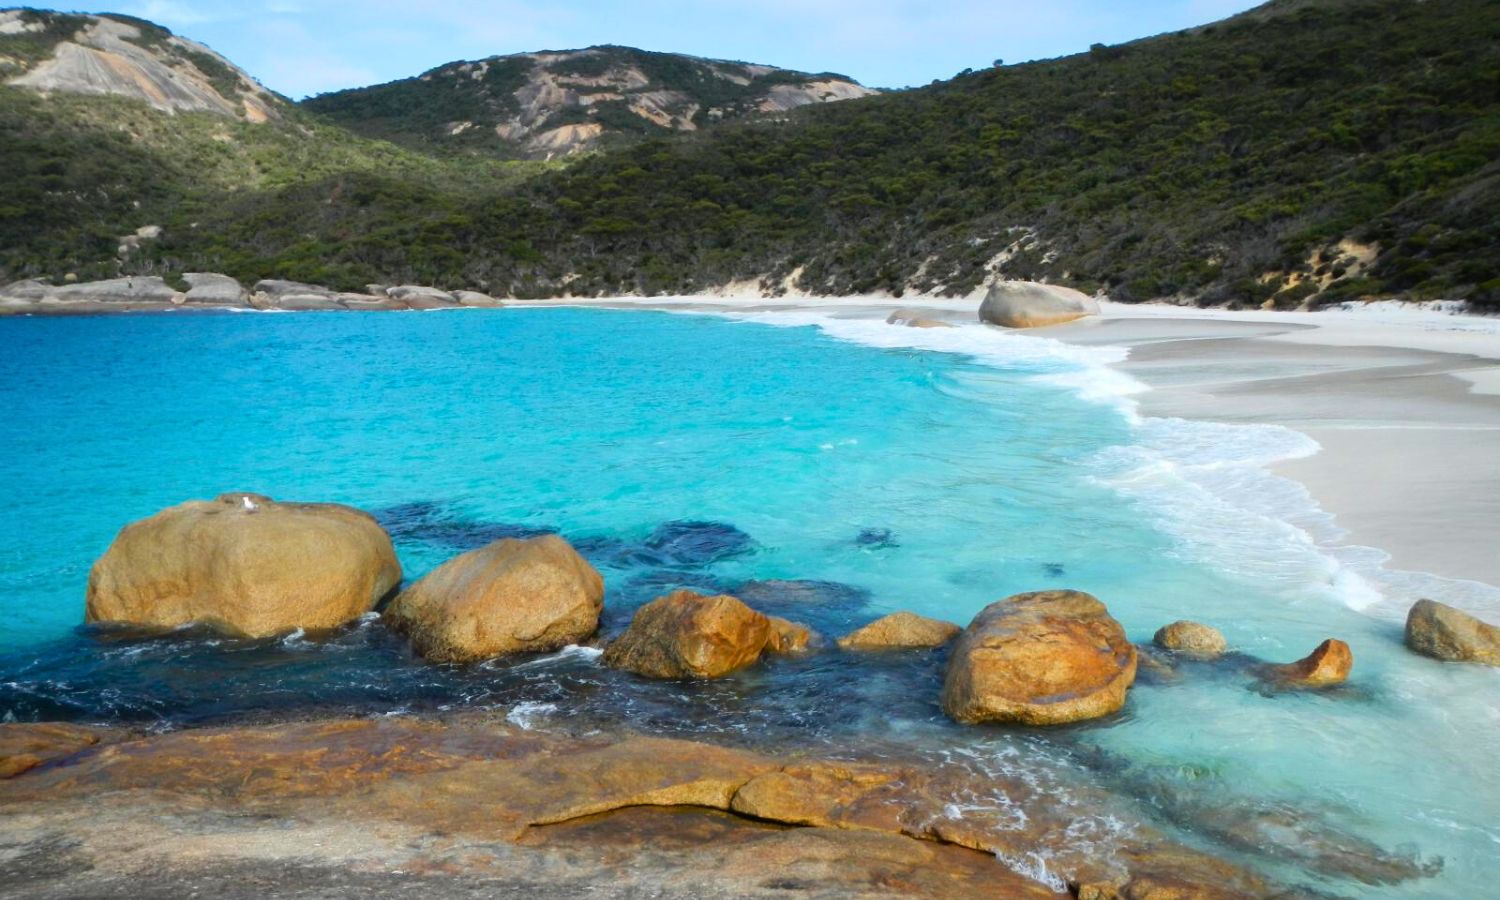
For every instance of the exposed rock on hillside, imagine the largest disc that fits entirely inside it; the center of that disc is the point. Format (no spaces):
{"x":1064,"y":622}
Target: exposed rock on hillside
{"x":117,"y":55}
{"x":551,"y":104}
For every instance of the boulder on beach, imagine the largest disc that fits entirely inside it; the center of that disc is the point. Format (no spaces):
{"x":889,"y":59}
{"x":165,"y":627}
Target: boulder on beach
{"x":418,"y":296}
{"x":901,"y":631}
{"x":1191,"y":639}
{"x":510,"y":596}
{"x":913,"y":318}
{"x":475,"y":298}
{"x":1027,"y":304}
{"x":246,"y":565}
{"x":1042,"y":658}
{"x":370,"y":302}
{"x":212,"y":289}
{"x":1326,"y":666}
{"x":1437,"y":630}
{"x":688,"y":635}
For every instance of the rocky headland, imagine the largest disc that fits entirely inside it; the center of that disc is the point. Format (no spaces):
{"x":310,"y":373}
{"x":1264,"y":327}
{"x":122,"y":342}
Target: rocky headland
{"x":207,"y":290}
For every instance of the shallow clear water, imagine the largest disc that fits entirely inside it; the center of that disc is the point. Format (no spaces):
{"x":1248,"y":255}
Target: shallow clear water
{"x":698,"y":451}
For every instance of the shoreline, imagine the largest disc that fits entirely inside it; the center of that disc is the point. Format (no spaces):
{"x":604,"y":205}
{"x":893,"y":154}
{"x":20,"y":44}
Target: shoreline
{"x":1403,"y":404}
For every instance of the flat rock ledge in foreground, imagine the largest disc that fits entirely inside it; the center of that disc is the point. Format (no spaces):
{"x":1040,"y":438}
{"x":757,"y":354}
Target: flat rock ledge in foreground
{"x":360,"y":805}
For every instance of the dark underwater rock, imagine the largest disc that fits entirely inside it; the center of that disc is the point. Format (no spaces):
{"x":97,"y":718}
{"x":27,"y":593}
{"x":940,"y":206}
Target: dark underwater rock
{"x":695,"y":544}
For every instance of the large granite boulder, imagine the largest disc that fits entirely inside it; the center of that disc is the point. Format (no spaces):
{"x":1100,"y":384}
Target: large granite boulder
{"x":511,"y":596}
{"x":1027,"y":304}
{"x":1328,"y":665}
{"x":1191,"y":639}
{"x":210,"y":289}
{"x":1442,"y":632}
{"x":272,"y":293}
{"x":901,"y":631}
{"x":246,"y":565}
{"x":475,"y":298}
{"x":1042,"y":658}
{"x":913,"y":318}
{"x":419,"y":297}
{"x":688,"y":635}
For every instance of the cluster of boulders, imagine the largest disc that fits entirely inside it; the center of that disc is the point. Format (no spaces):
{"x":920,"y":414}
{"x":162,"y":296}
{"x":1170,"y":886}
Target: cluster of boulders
{"x":247,"y":565}
{"x":208,"y":290}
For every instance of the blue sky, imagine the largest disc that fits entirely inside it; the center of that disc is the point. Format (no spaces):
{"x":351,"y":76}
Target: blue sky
{"x":301,"y":47}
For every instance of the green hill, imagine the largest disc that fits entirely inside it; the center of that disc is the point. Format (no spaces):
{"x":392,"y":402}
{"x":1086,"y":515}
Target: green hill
{"x":557,"y":103}
{"x":1307,"y":151}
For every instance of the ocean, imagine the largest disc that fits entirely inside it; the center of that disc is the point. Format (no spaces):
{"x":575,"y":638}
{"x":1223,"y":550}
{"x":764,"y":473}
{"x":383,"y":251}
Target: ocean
{"x":827,"y":469}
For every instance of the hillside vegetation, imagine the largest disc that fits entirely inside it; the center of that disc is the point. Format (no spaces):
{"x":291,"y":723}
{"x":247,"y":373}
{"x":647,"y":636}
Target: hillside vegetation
{"x":1308,"y":151}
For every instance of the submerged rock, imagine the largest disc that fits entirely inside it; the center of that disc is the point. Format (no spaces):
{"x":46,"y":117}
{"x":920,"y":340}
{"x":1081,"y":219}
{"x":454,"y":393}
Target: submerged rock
{"x":913,"y":318}
{"x":688,"y":635}
{"x":1042,"y":658}
{"x":901,"y":630}
{"x":1326,"y":666}
{"x":1442,"y":632}
{"x":244,"y":564}
{"x":1027,"y":304}
{"x":691,"y":543}
{"x":1191,"y":639}
{"x":512,"y":596}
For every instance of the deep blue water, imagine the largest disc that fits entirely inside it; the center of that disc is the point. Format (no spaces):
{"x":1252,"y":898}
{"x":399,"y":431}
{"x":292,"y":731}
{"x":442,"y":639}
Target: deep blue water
{"x":695,"y":451}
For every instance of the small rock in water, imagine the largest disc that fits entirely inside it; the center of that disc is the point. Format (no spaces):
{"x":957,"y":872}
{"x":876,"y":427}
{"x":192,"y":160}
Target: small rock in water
{"x":1191,"y":639}
{"x":1326,"y":666}
{"x":879,"y":538}
{"x":691,"y":543}
{"x":1442,"y":632}
{"x":431,"y":523}
{"x":901,"y":631}
{"x":788,"y":637}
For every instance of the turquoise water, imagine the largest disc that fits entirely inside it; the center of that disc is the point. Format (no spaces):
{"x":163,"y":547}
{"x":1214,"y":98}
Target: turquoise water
{"x":693,"y":450}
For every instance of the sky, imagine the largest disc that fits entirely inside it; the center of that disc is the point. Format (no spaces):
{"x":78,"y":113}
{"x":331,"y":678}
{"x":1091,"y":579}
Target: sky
{"x":304,"y":47}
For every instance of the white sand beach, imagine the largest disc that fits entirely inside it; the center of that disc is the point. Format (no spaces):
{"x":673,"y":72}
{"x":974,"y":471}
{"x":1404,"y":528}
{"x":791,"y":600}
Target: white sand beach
{"x":1403,"y":401}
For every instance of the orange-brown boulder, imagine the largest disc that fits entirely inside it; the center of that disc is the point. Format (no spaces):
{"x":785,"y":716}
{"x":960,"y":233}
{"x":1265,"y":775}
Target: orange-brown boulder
{"x":901,"y":631}
{"x":511,"y":596}
{"x":787,"y":637}
{"x":688,"y":635}
{"x":246,"y":565}
{"x":1191,"y":639}
{"x":1442,"y":632}
{"x":1326,"y":666}
{"x":1042,"y":658}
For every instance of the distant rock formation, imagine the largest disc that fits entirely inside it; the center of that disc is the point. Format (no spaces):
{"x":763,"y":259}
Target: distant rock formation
{"x":208,"y":290}
{"x":120,"y":56}
{"x":553,"y":104}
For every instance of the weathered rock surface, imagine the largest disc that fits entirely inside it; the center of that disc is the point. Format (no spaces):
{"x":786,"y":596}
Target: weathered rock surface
{"x":370,"y":302}
{"x":272,"y":293}
{"x":112,"y":295}
{"x":1042,"y":658}
{"x":688,"y":635}
{"x":419,"y":297}
{"x":788,"y":637}
{"x":511,"y":596}
{"x":114,"y":57}
{"x":1326,"y":666}
{"x":1191,"y":639}
{"x":244,"y":564}
{"x":1027,"y":304}
{"x":1442,"y":632}
{"x":475,"y":298}
{"x":24,"y":746}
{"x":210,"y":289}
{"x":463,"y":798}
{"x":913,"y":318}
{"x":901,"y":631}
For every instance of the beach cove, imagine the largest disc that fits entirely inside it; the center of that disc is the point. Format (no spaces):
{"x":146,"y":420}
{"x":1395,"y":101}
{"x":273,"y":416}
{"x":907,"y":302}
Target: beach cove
{"x":1054,"y":468}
